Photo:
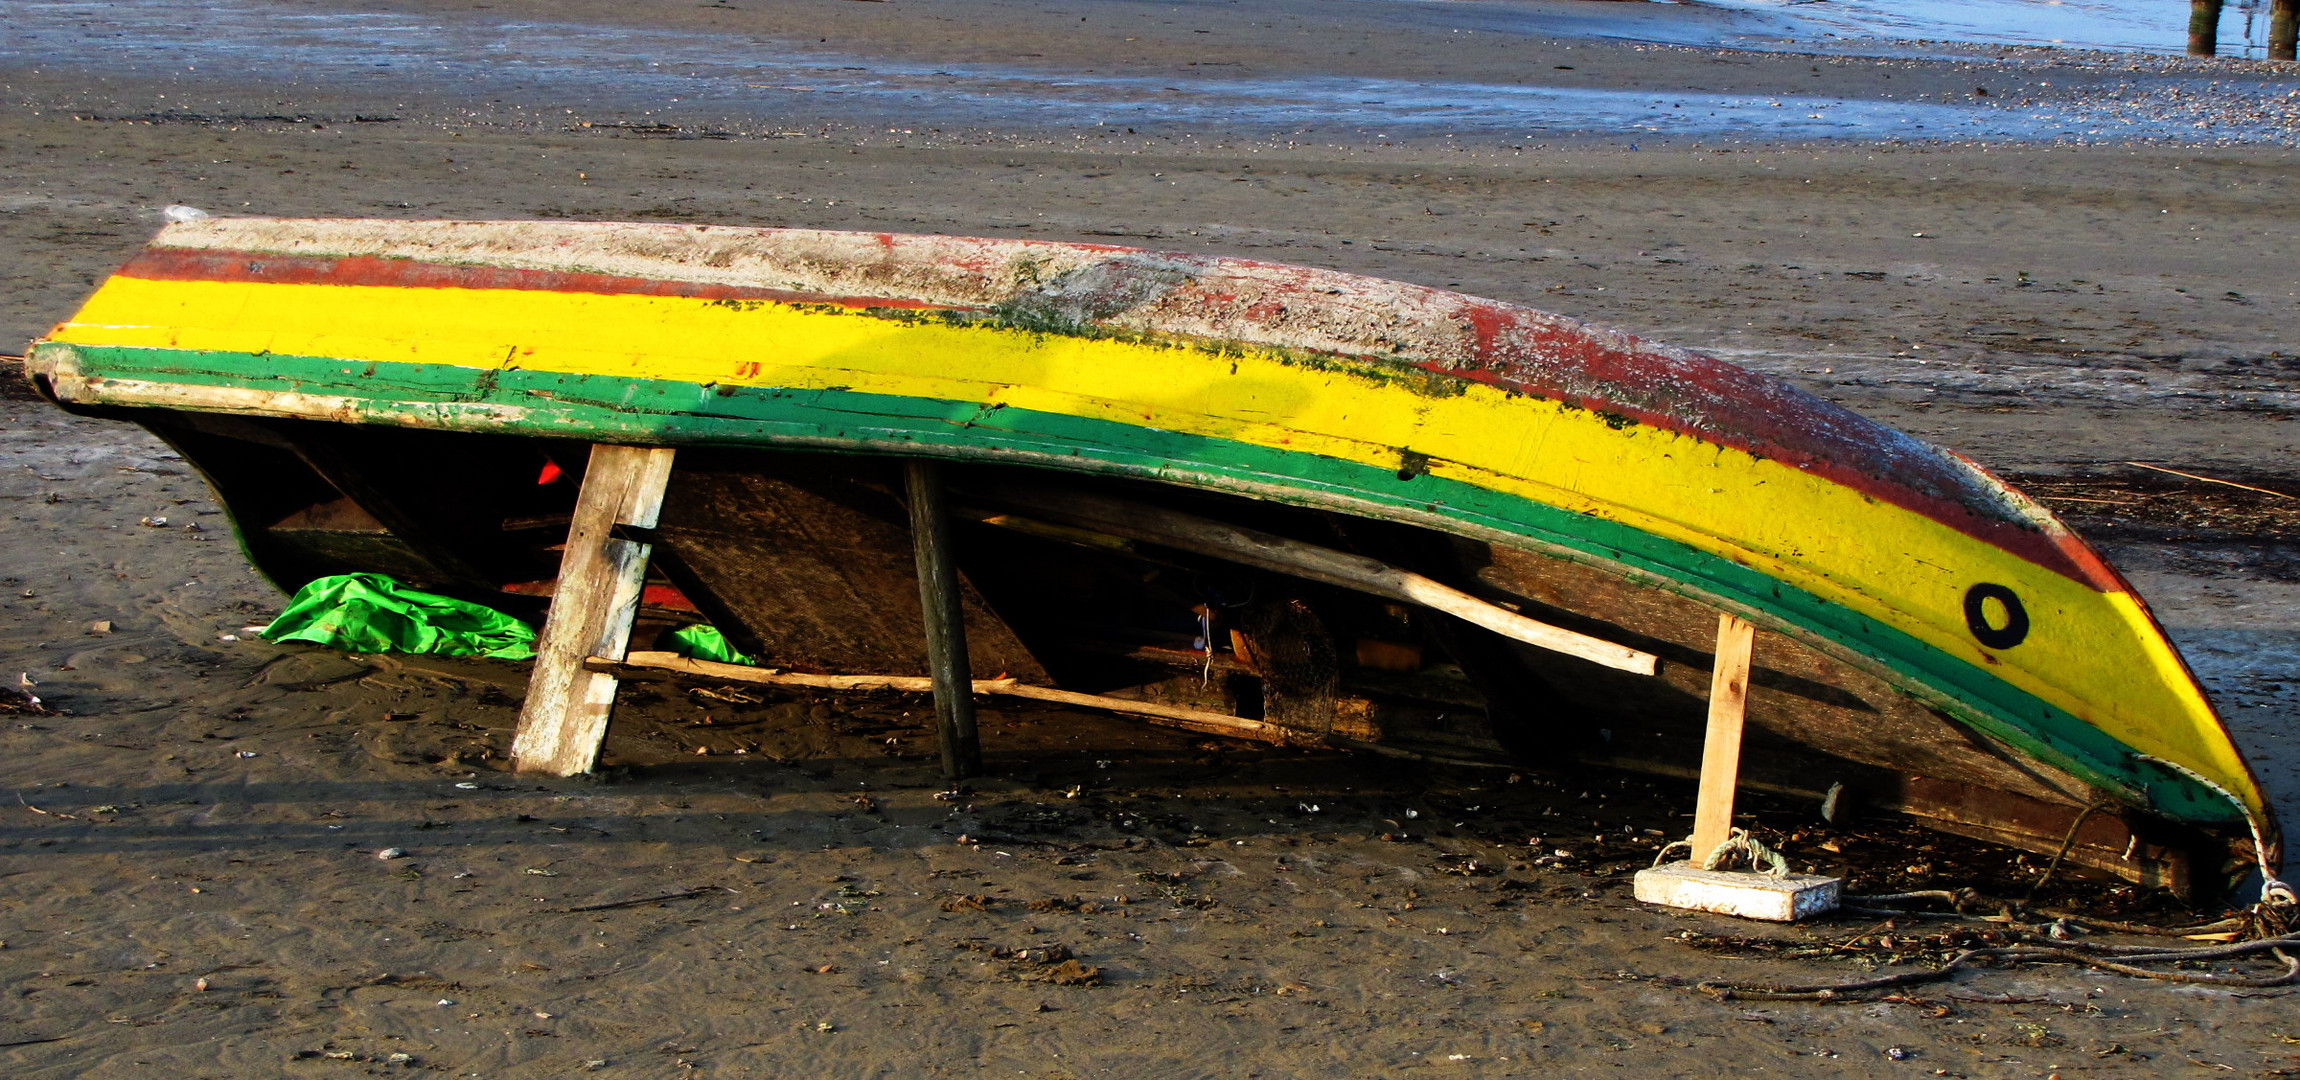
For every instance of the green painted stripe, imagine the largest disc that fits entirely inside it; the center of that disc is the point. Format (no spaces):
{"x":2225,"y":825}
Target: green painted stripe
{"x":654,"y":411}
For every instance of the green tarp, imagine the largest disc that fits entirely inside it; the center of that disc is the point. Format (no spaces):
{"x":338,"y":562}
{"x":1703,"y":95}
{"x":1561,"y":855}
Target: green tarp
{"x":371,"y":613}
{"x":701,"y":642}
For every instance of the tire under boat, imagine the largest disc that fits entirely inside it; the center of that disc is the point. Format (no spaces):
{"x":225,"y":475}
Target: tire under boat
{"x":387,"y":395}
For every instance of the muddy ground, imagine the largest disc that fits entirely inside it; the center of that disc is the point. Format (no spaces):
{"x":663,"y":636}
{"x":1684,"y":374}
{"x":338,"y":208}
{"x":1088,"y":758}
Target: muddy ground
{"x":189,"y":883}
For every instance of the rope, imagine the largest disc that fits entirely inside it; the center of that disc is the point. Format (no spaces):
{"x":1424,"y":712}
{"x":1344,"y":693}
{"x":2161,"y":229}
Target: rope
{"x":1762,"y":859}
{"x":2274,"y":893}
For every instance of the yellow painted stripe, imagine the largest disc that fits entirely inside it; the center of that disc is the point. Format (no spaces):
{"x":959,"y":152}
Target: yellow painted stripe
{"x":2095,"y":655}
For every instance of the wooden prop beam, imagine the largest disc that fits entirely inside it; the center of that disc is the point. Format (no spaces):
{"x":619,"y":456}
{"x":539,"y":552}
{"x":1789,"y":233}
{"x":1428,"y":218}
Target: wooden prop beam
{"x":1721,"y":750}
{"x":563,"y":722}
{"x":1199,"y":720}
{"x":1779,"y":897}
{"x":942,"y":601}
{"x":1187,"y":532}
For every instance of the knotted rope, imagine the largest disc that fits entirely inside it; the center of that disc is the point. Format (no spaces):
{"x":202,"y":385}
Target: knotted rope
{"x":1761,"y":859}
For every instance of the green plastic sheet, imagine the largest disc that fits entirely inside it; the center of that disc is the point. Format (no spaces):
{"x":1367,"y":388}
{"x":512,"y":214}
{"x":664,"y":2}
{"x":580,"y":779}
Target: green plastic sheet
{"x":371,"y":613}
{"x":700,"y":642}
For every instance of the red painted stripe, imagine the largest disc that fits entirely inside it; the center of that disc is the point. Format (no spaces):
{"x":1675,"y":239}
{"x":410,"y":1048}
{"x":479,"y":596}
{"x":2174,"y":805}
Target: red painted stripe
{"x":1527,"y":352}
{"x":183,"y":264}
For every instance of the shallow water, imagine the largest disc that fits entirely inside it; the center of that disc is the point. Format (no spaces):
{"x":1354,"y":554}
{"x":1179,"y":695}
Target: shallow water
{"x":2158,"y":26}
{"x":593,"y":72}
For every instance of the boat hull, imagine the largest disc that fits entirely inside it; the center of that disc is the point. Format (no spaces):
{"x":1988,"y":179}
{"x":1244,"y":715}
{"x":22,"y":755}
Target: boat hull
{"x":1624,"y":468}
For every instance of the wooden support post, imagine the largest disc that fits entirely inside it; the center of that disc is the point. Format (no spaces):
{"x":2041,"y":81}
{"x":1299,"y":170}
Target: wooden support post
{"x":2284,"y":29}
{"x":1778,"y":897}
{"x":2203,"y":27}
{"x":1721,"y":751}
{"x":564,"y":720}
{"x":939,"y":596}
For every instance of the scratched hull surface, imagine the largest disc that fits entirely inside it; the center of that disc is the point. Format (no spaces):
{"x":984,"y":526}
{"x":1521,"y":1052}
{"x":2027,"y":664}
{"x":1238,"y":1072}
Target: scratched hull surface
{"x":1660,"y":470}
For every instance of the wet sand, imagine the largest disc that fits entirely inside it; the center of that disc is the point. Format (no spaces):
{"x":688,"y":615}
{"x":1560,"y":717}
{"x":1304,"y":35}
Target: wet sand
{"x":210,"y":809}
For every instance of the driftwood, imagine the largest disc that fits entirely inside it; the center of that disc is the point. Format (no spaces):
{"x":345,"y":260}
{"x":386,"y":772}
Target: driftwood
{"x":1187,"y":532}
{"x":2207,"y":479}
{"x":1199,"y":720}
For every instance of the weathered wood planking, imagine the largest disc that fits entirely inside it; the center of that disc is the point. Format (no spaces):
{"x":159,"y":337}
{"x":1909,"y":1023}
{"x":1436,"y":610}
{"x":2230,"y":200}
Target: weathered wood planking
{"x":563,"y":722}
{"x":804,"y":562}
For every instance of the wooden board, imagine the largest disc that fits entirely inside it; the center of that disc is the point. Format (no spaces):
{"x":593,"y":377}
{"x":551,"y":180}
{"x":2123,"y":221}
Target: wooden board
{"x":564,"y":719}
{"x":1721,"y":749}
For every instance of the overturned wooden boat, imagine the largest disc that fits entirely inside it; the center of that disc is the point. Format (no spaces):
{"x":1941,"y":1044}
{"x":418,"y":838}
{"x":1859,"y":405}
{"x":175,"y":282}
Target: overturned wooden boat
{"x":1312,"y":500}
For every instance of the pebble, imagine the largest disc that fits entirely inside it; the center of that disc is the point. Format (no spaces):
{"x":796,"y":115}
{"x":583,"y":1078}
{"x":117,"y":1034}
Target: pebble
{"x":390,"y":853}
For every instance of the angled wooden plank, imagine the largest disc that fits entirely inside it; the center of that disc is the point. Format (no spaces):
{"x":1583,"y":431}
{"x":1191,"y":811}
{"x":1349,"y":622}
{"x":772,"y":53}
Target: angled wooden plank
{"x":1268,"y":551}
{"x":564,"y":719}
{"x":1721,"y":751}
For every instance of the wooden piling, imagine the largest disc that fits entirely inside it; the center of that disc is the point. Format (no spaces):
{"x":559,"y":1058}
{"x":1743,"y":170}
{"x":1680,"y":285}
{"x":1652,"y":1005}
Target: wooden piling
{"x":939,"y":596}
{"x":2203,"y":27}
{"x":2283,"y":29}
{"x":1721,"y":750}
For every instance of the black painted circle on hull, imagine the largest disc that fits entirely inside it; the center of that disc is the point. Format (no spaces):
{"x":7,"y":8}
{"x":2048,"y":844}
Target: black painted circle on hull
{"x":2015,"y":628}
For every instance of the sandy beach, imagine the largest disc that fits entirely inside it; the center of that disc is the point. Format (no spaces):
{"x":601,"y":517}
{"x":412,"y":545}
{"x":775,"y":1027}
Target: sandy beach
{"x":189,"y":880}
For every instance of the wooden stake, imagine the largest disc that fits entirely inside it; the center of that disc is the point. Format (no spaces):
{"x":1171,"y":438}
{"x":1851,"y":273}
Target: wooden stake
{"x":564,"y":719}
{"x":939,"y":596}
{"x":2284,"y":30}
{"x":1721,"y":750}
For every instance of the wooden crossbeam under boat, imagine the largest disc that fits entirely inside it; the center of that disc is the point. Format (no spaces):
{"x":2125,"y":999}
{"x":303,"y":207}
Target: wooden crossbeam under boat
{"x":1320,"y":502}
